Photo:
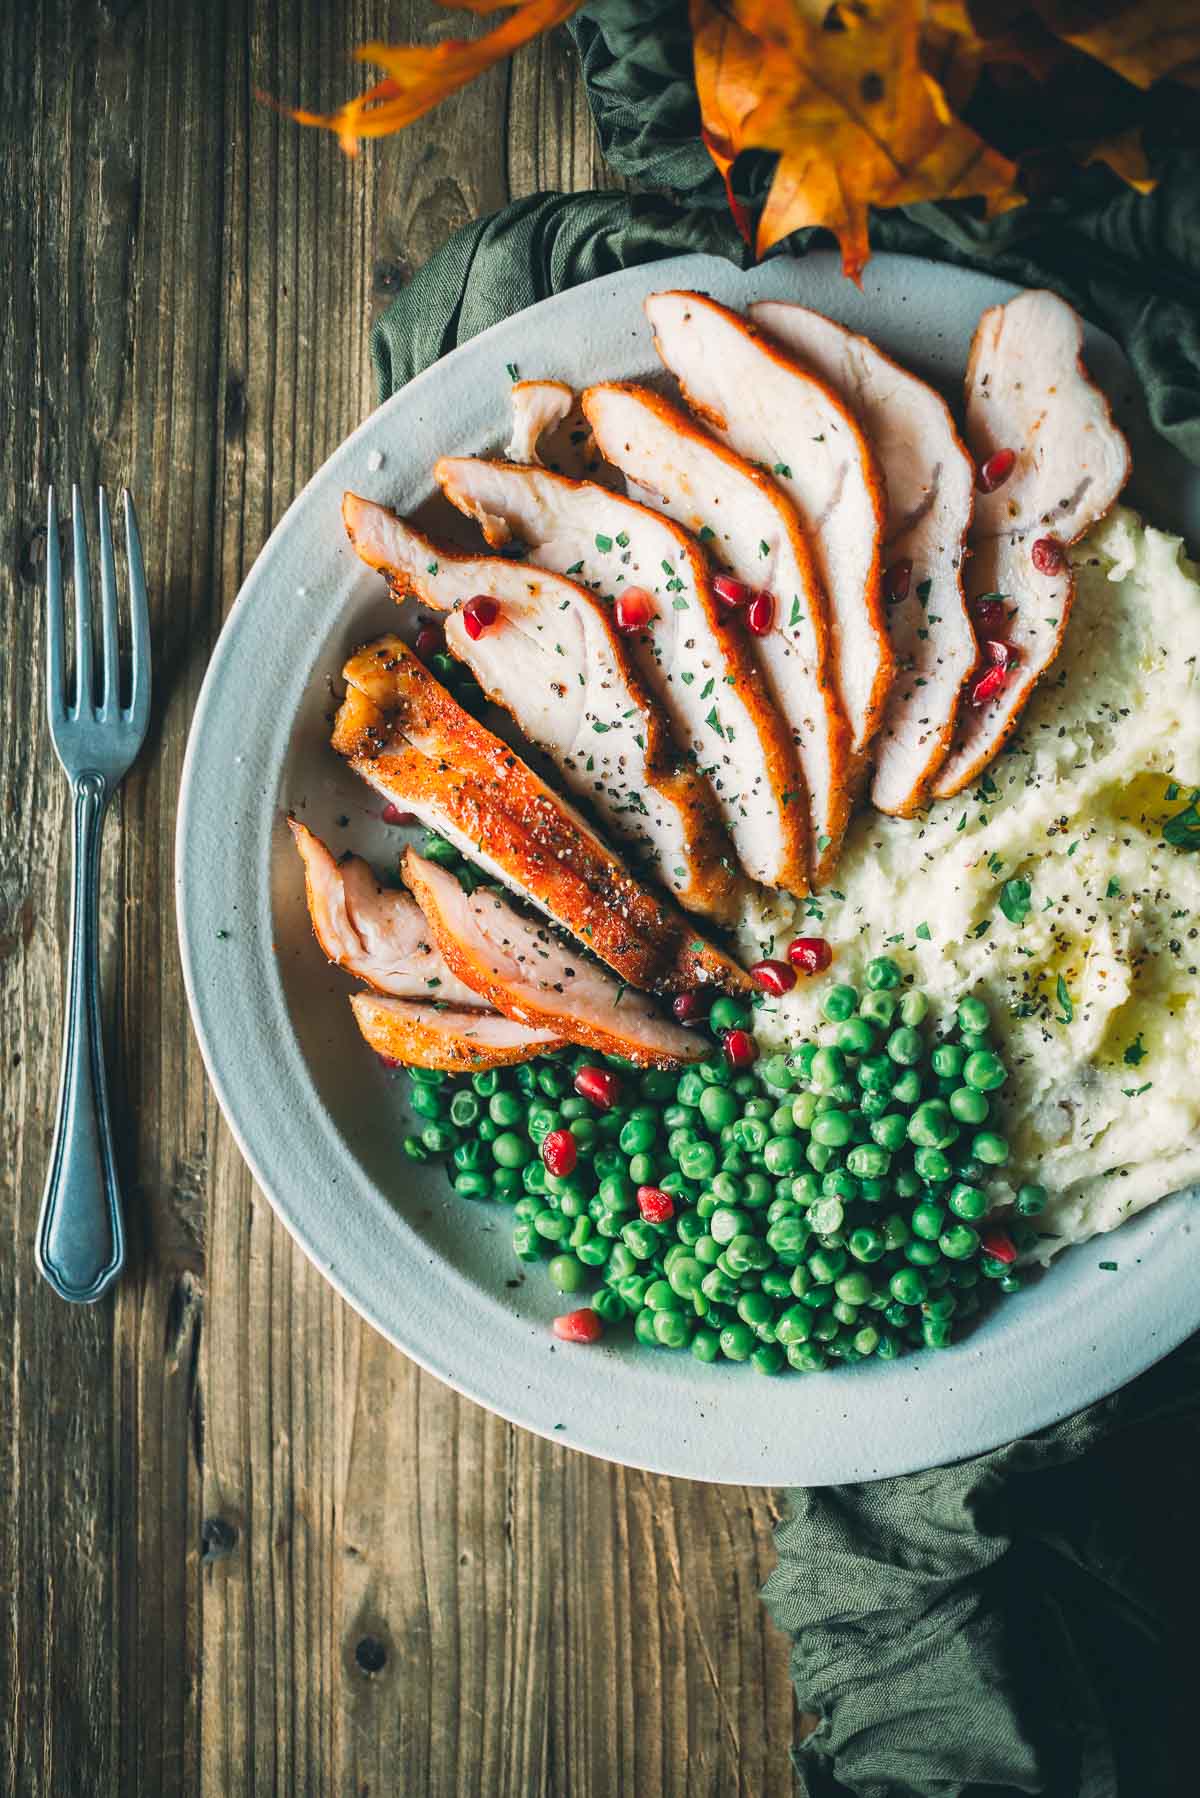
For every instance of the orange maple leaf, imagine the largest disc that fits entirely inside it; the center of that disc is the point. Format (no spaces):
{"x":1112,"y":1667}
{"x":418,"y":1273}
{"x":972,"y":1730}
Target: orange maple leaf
{"x":841,"y":93}
{"x":420,"y":76}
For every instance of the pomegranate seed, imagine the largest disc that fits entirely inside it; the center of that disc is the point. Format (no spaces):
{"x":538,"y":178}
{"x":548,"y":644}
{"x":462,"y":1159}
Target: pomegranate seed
{"x":1002,"y":654}
{"x":429,"y":641}
{"x":655,"y":1205}
{"x":559,"y":1153}
{"x":999,"y":1245}
{"x":634,"y":609}
{"x":731,"y":593}
{"x":579,"y":1326}
{"x":478,"y":614}
{"x":760,"y":614}
{"x":389,"y":1062}
{"x":996,"y":470}
{"x":989,"y":616}
{"x":988,"y":685}
{"x":773,"y":976}
{"x":896,"y":580}
{"x":599,"y":1085}
{"x":693,"y":1007}
{"x":393,"y":815}
{"x":739,"y":1048}
{"x":811,"y":954}
{"x":1049,"y":556}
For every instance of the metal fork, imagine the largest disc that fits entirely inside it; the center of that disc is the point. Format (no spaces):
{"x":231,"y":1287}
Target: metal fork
{"x":80,"y":1238}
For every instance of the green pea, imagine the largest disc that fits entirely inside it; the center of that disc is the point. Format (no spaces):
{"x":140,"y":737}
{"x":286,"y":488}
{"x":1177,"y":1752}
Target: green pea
{"x":856,"y":1037}
{"x":719,"y":1287}
{"x":737,"y":1342}
{"x":907,"y":1286}
{"x":838,"y":1183}
{"x":827,"y":1215}
{"x":905,"y":1047}
{"x":973,"y":1014}
{"x":928,"y":1221}
{"x":661,"y":1296}
{"x":968,"y":1106}
{"x":932,"y":1125}
{"x":425,"y":1101}
{"x":594,"y":1252}
{"x":804,"y":1110}
{"x":968,"y":1202}
{"x":706,"y":1345}
{"x":832,"y":1128}
{"x":751,"y":1134}
{"x":468,"y":1157}
{"x":907,"y":1089}
{"x":686,"y":1275}
{"x":716,"y":1073}
{"x":439,"y":1139}
{"x":727,"y":1014}
{"x":505,"y":1109}
{"x":637,"y":1134}
{"x":853,"y":1288}
{"x":936,"y":1332}
{"x":826,"y":1264}
{"x":873,"y":1105}
{"x":806,"y":1189}
{"x":436,"y":848}
{"x":866,"y":1340}
{"x":826,"y":1328}
{"x":784,"y":1155}
{"x":989,"y":1148}
{"x":873,"y":1192}
{"x":567,"y":1273}
{"x":755,"y":1309}
{"x":984,"y":1071}
{"x":643,"y":1329}
{"x":866,"y":1244}
{"x":767,"y":1358}
{"x":795,"y":1325}
{"x":608,"y":1304}
{"x":689,"y":1088}
{"x":1031,"y":1200}
{"x":947,"y":1059}
{"x":776,"y":1071}
{"x":727,"y":1188}
{"x":746,"y":1252}
{"x":527,"y":1244}
{"x":878,"y":1008}
{"x":657,"y":1086}
{"x":974,"y":1039}
{"x":819,"y":1155}
{"x":914,"y":1008}
{"x":775,"y":1282}
{"x":840,"y":1004}
{"x":842,"y":1095}
{"x":807,"y":1357}
{"x":907,"y":1183}
{"x":486,"y":1083}
{"x":472,"y":1185}
{"x":727,"y":1222}
{"x":876,"y":1074}
{"x":640,"y":1239}
{"x":718,"y":1107}
{"x":534,"y":1177}
{"x":1010,"y":1282}
{"x":486,"y":1131}
{"x":697,"y":1161}
{"x":641,"y":1170}
{"x":464,"y":1109}
{"x":869,"y":1160}
{"x":890,"y":1131}
{"x":787,"y":1238}
{"x":506,"y":1184}
{"x":415,"y":1149}
{"x":932,"y":1166}
{"x":883,"y":974}
{"x":921,"y":1253}
{"x":943,"y":1305}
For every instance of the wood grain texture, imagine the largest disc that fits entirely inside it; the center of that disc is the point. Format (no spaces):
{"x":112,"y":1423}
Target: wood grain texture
{"x":246,"y":1547}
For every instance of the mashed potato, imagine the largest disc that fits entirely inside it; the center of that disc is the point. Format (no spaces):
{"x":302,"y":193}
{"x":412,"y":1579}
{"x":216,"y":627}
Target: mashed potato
{"x":1048,"y":889}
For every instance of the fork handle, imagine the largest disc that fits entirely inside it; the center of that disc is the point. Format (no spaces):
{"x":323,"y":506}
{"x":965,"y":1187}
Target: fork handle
{"x":80,"y":1239}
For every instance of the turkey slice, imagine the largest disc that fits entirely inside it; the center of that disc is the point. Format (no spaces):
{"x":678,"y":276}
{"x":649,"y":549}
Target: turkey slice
{"x":1029,"y":391}
{"x":555,"y":662}
{"x":377,"y":933}
{"x":735,"y":510}
{"x":424,"y":1035}
{"x":528,"y":974}
{"x":774,"y":413}
{"x":403,"y":733}
{"x":930,"y":483}
{"x":691,"y":657}
{"x":537,"y":406}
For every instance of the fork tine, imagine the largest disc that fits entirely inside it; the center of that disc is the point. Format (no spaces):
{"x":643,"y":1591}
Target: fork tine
{"x":83,"y":608}
{"x":55,"y":676}
{"x":110,"y":692}
{"x":139,"y":606}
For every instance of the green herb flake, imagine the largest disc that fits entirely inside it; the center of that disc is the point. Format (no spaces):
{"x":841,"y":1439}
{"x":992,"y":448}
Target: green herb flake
{"x":1113,"y":889}
{"x":1064,"y":999}
{"x":961,"y":825}
{"x":794,"y":620}
{"x":924,"y":932}
{"x":823,"y":844}
{"x":706,"y":533}
{"x":764,"y":548}
{"x":1135,"y":1092}
{"x":687,"y":677}
{"x":1015,"y":897}
{"x":711,"y":718}
{"x":431,"y":567}
{"x":1183,"y":830}
{"x":575,"y":568}
{"x":706,"y":690}
{"x":680,"y":605}
{"x":924,"y":589}
{"x":513,"y":371}
{"x":1136,"y":1053}
{"x":623,"y":539}
{"x":1107,"y":1267}
{"x":783,"y":469}
{"x":604,"y":544}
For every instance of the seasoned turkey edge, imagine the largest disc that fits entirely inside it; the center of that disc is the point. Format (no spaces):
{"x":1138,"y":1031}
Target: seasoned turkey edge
{"x":403,"y":733}
{"x":930,"y":481}
{"x":772,"y":412}
{"x":553,"y":660}
{"x":770,"y":582}
{"x":694,"y":663}
{"x":424,"y":1034}
{"x":528,"y":974}
{"x":1052,"y":463}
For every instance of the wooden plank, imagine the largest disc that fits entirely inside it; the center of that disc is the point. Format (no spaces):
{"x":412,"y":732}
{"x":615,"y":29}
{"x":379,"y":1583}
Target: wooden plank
{"x":248,"y":1546}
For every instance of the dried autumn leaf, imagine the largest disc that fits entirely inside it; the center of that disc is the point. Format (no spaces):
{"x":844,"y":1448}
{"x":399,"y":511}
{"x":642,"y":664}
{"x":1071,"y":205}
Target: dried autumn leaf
{"x":1149,"y":41}
{"x":420,"y":76}
{"x":841,"y":94}
{"x":1127,"y":158}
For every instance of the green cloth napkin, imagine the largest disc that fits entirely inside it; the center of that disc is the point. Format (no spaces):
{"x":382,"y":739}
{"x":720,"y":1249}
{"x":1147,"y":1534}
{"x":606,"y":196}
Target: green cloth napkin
{"x":1020,"y":1622}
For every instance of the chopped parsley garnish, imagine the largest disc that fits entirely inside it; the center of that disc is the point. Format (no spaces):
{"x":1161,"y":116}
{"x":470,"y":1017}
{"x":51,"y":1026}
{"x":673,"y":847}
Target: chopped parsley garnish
{"x":823,"y":844}
{"x":575,"y":568}
{"x":680,"y":604}
{"x":962,"y":824}
{"x":687,"y":677}
{"x":623,"y":539}
{"x":707,"y":688}
{"x":513,"y":370}
{"x":604,"y":544}
{"x":711,"y":718}
{"x":924,"y":932}
{"x":764,"y":548}
{"x":1064,"y":999}
{"x":924,"y":589}
{"x":1135,"y":1092}
{"x":431,"y":567}
{"x":1107,"y":1267}
{"x":1183,"y":830}
{"x":706,"y":533}
{"x":1015,"y":899}
{"x":1136,"y":1053}
{"x":783,"y":469}
{"x":1113,"y":889}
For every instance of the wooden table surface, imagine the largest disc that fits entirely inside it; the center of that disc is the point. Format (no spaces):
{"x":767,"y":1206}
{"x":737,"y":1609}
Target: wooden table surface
{"x":245,"y":1545}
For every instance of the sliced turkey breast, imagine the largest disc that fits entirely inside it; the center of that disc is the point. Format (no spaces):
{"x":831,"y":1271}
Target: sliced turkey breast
{"x":1028,"y":392}
{"x":693,"y":660}
{"x":553,"y":659}
{"x":528,"y":974}
{"x":425,"y":1035}
{"x":774,"y":413}
{"x":375,"y":932}
{"x":750,"y":527}
{"x":537,"y":406}
{"x":930,"y":481}
{"x":403,"y":733}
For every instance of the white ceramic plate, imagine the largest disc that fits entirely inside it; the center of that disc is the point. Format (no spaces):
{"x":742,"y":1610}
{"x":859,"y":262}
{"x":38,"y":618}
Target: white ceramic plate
{"x":320,"y":1122}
